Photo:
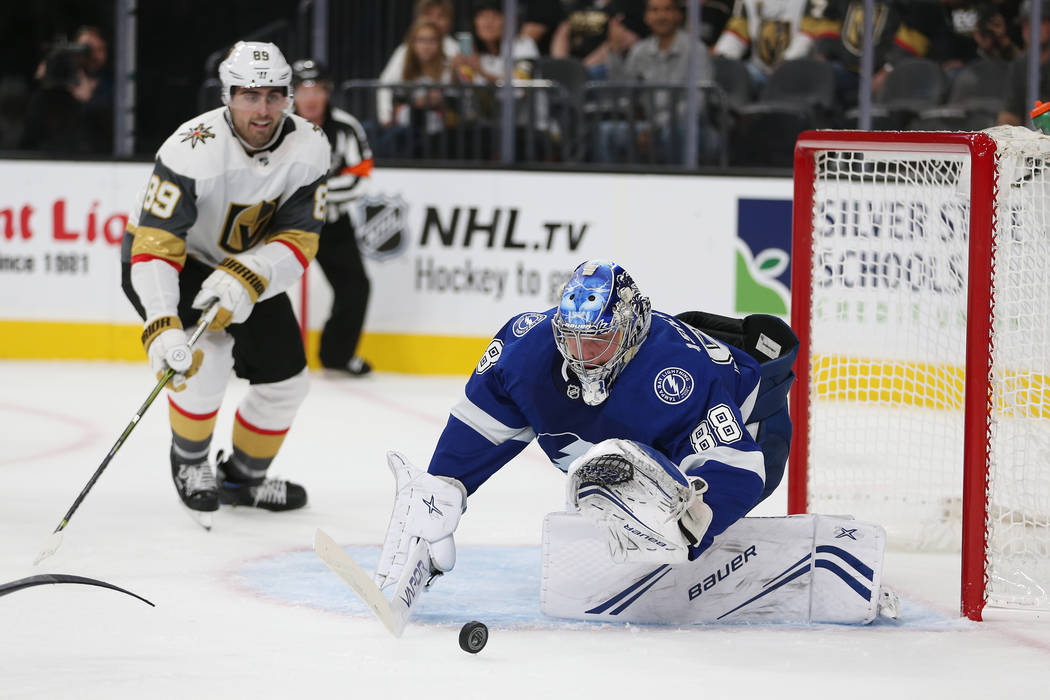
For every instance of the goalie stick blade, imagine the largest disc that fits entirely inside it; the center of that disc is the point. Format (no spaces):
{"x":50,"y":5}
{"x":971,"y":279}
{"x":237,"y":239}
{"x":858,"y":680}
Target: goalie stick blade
{"x":359,"y":581}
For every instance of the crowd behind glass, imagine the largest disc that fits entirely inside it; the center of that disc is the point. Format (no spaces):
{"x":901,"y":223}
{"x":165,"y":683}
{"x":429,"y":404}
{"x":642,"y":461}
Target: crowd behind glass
{"x":603,"y":81}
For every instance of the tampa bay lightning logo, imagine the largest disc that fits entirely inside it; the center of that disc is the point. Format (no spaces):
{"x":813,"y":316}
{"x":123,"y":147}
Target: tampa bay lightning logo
{"x":673,"y":385}
{"x":525,"y":323}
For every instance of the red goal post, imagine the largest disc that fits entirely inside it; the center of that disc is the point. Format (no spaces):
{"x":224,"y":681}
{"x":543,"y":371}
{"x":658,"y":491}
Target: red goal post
{"x":896,"y":241}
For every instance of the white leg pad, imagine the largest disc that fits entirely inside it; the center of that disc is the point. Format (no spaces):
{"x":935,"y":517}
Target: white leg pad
{"x":794,"y":569}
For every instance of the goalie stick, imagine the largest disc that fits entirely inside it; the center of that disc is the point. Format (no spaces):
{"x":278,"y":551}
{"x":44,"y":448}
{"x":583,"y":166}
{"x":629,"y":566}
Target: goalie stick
{"x":393,"y":613}
{"x":55,"y":540}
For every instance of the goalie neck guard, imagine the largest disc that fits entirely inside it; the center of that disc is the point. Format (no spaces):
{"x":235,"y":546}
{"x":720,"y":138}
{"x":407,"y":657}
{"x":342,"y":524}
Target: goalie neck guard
{"x":601,"y":321}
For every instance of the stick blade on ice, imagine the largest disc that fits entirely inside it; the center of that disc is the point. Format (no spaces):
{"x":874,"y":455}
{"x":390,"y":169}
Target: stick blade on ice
{"x":358,"y":579}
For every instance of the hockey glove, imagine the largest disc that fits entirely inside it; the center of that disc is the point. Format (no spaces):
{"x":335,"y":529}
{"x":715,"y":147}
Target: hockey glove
{"x":236,"y":287}
{"x":427,"y":507}
{"x":166,"y":346}
{"x":648,"y":509}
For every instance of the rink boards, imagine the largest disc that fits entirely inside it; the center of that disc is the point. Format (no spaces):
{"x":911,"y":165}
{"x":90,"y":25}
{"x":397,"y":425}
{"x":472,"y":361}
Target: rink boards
{"x":451,"y":254}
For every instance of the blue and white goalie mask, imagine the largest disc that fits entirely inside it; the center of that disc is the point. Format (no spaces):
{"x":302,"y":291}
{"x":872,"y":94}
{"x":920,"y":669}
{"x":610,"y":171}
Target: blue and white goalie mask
{"x":600,"y":323}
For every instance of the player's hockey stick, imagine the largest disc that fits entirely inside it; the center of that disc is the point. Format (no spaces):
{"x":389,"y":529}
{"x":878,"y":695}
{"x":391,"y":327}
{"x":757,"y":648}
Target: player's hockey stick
{"x":393,"y":613}
{"x":55,"y":540}
{"x":42,"y":579}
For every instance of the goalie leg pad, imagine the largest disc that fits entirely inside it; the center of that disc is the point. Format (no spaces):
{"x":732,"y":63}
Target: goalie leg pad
{"x":796,"y":569}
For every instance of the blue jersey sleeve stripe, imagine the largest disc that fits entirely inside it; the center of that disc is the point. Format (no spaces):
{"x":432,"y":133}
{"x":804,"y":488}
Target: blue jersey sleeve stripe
{"x":485,"y":425}
{"x":749,"y":403}
{"x":751,"y":460}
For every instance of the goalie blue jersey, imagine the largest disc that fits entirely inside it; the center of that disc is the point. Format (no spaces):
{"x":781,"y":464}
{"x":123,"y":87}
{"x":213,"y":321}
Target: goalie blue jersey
{"x":685,"y":394}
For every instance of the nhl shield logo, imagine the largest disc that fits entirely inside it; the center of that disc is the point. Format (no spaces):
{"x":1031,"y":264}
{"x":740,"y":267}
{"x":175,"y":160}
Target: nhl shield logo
{"x":381,"y":225}
{"x":673,"y":385}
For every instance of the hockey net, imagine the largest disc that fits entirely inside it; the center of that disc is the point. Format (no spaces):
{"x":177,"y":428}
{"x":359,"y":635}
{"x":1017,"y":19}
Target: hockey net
{"x":921,"y":294}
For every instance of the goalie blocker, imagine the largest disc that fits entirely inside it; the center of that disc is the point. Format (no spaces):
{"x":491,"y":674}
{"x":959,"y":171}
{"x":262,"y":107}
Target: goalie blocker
{"x":793,"y":569}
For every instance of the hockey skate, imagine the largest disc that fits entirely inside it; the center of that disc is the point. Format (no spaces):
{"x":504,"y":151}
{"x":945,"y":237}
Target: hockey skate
{"x":196,"y":487}
{"x":269,"y":494}
{"x":355,"y":367}
{"x":890,"y":604}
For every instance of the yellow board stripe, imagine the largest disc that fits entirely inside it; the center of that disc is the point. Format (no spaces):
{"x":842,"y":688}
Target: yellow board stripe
{"x":923,"y":385}
{"x":60,"y":340}
{"x":388,"y":352}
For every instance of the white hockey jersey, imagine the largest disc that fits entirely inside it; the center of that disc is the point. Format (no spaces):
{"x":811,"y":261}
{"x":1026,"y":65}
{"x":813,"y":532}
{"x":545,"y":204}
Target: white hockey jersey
{"x":766,"y":27}
{"x":211,"y":199}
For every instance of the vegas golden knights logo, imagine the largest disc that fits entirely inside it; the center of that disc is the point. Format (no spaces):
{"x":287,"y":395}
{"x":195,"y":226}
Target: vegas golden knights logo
{"x":853,"y":26}
{"x":245,"y":225}
{"x":773,"y":38}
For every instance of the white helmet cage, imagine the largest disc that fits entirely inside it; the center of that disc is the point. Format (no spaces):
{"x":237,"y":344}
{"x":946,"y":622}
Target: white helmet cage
{"x":252,"y":64}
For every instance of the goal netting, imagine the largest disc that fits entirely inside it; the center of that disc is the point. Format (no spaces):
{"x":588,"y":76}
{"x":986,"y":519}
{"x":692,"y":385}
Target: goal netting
{"x":921,"y":292}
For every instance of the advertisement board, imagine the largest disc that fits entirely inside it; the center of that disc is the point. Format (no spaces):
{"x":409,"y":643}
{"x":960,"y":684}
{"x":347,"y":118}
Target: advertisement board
{"x":451,"y":254}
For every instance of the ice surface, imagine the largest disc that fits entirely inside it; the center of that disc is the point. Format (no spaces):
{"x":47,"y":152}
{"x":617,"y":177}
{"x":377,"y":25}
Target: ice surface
{"x":247,"y":610}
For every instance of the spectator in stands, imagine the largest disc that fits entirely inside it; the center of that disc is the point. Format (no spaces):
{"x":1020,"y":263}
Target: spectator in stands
{"x":437,"y":12}
{"x":714,"y":14}
{"x":1017,"y":107}
{"x":484,"y":63}
{"x":539,"y":20}
{"x":960,"y":40}
{"x":95,"y":62}
{"x":662,"y":57}
{"x":593,"y":28}
{"x":57,"y":120}
{"x":404,"y":115}
{"x":423,"y":60}
{"x":991,"y":35}
{"x":833,"y":30}
{"x":761,"y":30}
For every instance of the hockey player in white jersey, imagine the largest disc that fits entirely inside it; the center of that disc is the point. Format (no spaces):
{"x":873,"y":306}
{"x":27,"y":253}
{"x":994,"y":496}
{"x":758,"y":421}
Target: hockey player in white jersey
{"x":338,"y":253}
{"x":230,"y":216}
{"x":671,"y":430}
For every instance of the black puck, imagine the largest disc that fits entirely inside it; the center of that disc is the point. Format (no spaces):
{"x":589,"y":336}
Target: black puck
{"x":473,"y":637}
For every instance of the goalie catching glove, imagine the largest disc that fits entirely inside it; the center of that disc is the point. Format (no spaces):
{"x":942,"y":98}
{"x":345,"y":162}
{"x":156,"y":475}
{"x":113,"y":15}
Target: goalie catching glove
{"x":427,"y":507}
{"x":235,"y":286}
{"x":167,"y":347}
{"x":650,"y":511}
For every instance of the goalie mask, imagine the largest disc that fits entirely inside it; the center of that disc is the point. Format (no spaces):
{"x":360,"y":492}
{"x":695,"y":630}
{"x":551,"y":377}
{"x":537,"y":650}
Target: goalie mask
{"x":601,"y":321}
